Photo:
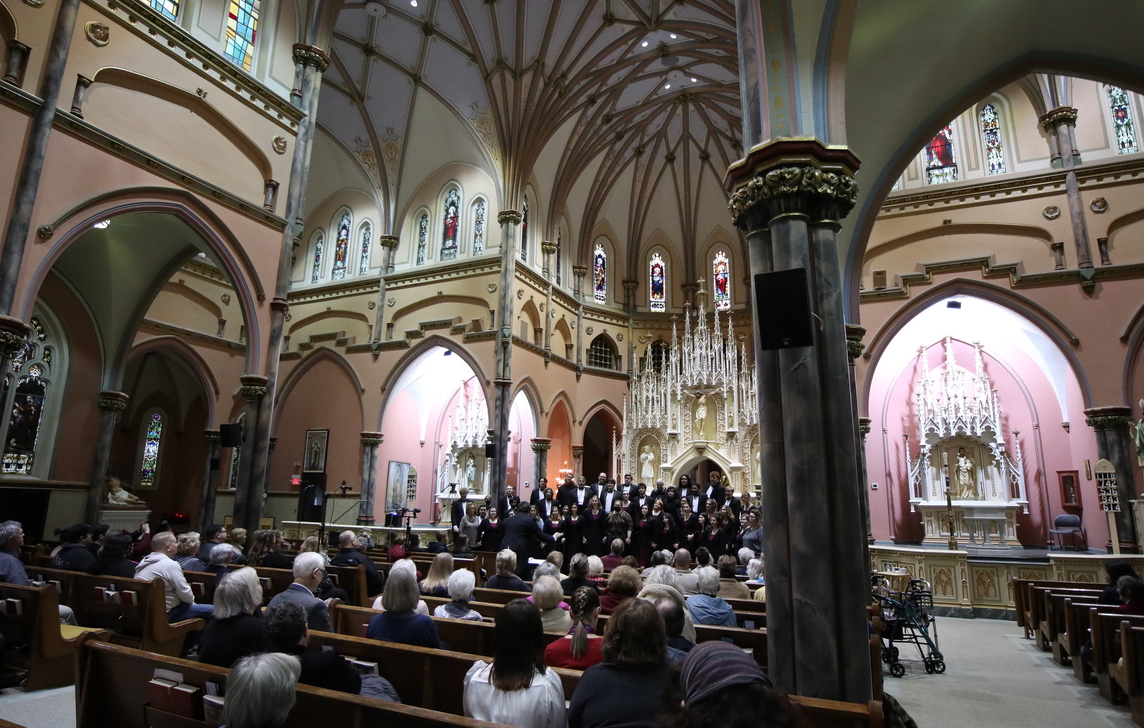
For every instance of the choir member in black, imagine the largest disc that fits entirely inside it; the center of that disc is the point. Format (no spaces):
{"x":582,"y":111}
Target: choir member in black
{"x":572,"y":542}
{"x":657,"y":493}
{"x":491,"y":532}
{"x":710,"y":535}
{"x":638,"y":500}
{"x":671,"y":502}
{"x":684,"y":484}
{"x":663,"y":529}
{"x":729,"y":525}
{"x":687,"y":528}
{"x":593,"y":528}
{"x":715,"y":489}
{"x":643,"y":535}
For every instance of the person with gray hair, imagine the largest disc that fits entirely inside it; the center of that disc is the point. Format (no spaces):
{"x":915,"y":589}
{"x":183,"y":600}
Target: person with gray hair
{"x":309,"y":570}
{"x":399,"y":622}
{"x":348,"y":555}
{"x":506,"y":577}
{"x":686,"y":580}
{"x":236,"y":630}
{"x":12,"y":569}
{"x":547,"y":596}
{"x":706,"y":607}
{"x":655,"y":592}
{"x":222,"y":554}
{"x":664,"y":574}
{"x":461,"y":583}
{"x":260,"y":691}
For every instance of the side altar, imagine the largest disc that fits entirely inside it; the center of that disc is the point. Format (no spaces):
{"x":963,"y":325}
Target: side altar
{"x":963,"y":449}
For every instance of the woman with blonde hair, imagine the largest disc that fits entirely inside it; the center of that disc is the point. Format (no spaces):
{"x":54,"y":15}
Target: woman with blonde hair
{"x":237,"y":538}
{"x":236,"y":630}
{"x":188,"y":549}
{"x":436,"y":583}
{"x":313,"y":544}
{"x":546,"y":594}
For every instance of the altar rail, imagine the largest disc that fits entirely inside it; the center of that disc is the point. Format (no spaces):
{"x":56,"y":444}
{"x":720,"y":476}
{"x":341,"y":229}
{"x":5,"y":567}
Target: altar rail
{"x":983,"y":588}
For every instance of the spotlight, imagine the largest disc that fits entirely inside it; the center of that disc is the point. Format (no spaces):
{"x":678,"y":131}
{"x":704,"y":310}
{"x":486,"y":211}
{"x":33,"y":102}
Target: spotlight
{"x":644,"y":44}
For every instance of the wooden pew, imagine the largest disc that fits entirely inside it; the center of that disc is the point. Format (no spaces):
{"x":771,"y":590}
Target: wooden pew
{"x":50,"y":659}
{"x":1129,"y":675}
{"x":1029,"y":609}
{"x":113,"y":682}
{"x":143,"y":624}
{"x":748,"y":605}
{"x":352,"y":579}
{"x":1076,"y":616}
{"x":1052,"y":628}
{"x":1105,"y":626}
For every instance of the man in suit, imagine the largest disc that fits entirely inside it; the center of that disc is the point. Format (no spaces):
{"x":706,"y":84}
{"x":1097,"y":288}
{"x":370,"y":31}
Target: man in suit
{"x":521,"y":535}
{"x":638,"y":501}
{"x":601,"y":481}
{"x":628,"y":487}
{"x":350,"y":556}
{"x":609,"y":495}
{"x":548,"y":506}
{"x":457,"y":511}
{"x":308,"y":574}
{"x":658,"y":492}
{"x":564,"y":492}
{"x":715,"y":487}
{"x":504,"y":503}
{"x":697,"y":500}
{"x":537,"y":494}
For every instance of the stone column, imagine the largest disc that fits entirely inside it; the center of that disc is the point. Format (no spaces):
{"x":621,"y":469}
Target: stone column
{"x":34,"y":153}
{"x":579,"y":271}
{"x":689,"y":291}
{"x":1058,"y":123}
{"x":82,"y":83}
{"x":313,"y":62}
{"x":549,"y":250}
{"x":369,"y":441}
{"x":630,"y":287}
{"x":540,"y":446}
{"x":502,"y":395}
{"x":388,"y":245}
{"x":210,"y":479}
{"x":16,"y":62}
{"x":854,"y":347}
{"x":111,"y":403}
{"x":1114,"y":444}
{"x":787,"y":196}
{"x":248,"y":489}
{"x":577,"y":461}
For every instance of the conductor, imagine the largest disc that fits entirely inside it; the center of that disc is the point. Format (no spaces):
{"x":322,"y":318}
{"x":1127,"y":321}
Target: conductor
{"x":521,"y":532}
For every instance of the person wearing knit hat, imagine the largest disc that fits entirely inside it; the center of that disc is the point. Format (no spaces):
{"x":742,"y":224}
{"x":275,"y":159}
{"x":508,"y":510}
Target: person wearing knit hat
{"x":723,"y":687}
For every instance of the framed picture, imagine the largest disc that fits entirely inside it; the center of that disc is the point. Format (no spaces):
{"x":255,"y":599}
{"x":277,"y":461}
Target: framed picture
{"x":401,"y":475}
{"x":1070,"y":488}
{"x":317,"y":443}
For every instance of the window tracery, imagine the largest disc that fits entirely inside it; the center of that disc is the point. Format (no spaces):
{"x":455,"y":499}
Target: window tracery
{"x":319,"y":248}
{"x":26,"y":392}
{"x":600,"y":274}
{"x":366,"y":248}
{"x":941,"y":163}
{"x":721,"y":280}
{"x":479,"y":226}
{"x":524,"y":232}
{"x":657,"y":283}
{"x":991,"y":131}
{"x":1122,"y":121}
{"x":153,"y":423}
{"x":422,"y":237}
{"x":341,"y":249}
{"x":241,"y":29}
{"x":451,"y":222}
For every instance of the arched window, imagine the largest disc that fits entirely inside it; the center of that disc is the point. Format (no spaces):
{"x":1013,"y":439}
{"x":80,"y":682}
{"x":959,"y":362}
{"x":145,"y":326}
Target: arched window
{"x":341,"y":249}
{"x":366,"y":248}
{"x":235,"y":455}
{"x":559,"y":247}
{"x":422,"y":237}
{"x":1122,"y":120}
{"x":656,"y":355}
{"x":319,"y":248}
{"x":152,"y":434}
{"x":601,"y":353}
{"x":991,"y":131}
{"x":657,"y":283}
{"x":167,"y":8}
{"x":524,"y":232}
{"x":479,"y":226}
{"x":241,"y":28}
{"x":721,"y":280}
{"x":30,"y":394}
{"x":600,"y":274}
{"x":941,"y":165}
{"x":452,"y":221}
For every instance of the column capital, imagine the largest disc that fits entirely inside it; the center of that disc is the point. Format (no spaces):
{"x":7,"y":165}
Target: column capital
{"x":212,"y":435}
{"x":253,"y":386}
{"x":541,"y":444}
{"x":510,"y":216}
{"x":387,"y":241}
{"x":577,"y":451}
{"x":312,"y":56}
{"x":371,"y":439}
{"x":548,"y":248}
{"x":630,"y":284}
{"x":798,"y":176}
{"x":1055,"y":117}
{"x":864,"y":427}
{"x":854,"y":345}
{"x":689,"y":288}
{"x":1108,"y":418}
{"x":13,"y":336}
{"x":579,"y":270}
{"x":112,"y":401}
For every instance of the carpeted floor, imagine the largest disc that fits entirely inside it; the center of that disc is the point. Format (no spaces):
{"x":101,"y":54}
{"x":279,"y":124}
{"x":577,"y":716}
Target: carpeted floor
{"x":42,"y":709}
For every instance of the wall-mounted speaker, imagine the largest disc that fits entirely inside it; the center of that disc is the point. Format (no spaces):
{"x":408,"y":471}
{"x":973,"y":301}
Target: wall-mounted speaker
{"x":782,"y":305}
{"x":490,"y":450}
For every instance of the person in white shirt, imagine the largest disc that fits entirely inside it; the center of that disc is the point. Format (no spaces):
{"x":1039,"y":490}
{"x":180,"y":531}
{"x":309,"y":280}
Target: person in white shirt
{"x":159,"y":565}
{"x":516,"y":688}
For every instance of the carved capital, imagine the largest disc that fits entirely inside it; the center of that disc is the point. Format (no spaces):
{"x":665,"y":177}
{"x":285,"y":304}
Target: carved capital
{"x":211,"y":436}
{"x":577,"y":451}
{"x":864,"y":427}
{"x":1055,"y":117}
{"x":1108,"y":418}
{"x":510,"y":216}
{"x":13,"y":336}
{"x":854,"y":345}
{"x":312,"y":56}
{"x":371,"y":439}
{"x":387,"y":241}
{"x":579,"y":270}
{"x":253,"y":387}
{"x":541,"y":444}
{"x":112,"y":401}
{"x":548,"y":248}
{"x":629,"y":284}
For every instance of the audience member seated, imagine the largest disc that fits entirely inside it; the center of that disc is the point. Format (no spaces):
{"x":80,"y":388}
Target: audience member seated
{"x":546,"y":594}
{"x":214,"y":535}
{"x":399,"y":622}
{"x":616,"y":557}
{"x":236,"y":630}
{"x":633,"y":562}
{"x":98,"y":535}
{"x":159,"y":565}
{"x":436,"y":582}
{"x":673,"y":623}
{"x":729,"y":586}
{"x":577,"y":575}
{"x":460,"y":589}
{"x":706,"y":607}
{"x":312,"y":544}
{"x":461,"y":547}
{"x":556,"y":559}
{"x":238,"y":541}
{"x":1131,"y":592}
{"x":187,"y":552}
{"x":407,"y":565}
{"x":221,"y":555}
{"x":657,"y":558}
{"x":348,"y":555}
{"x":745,"y":556}
{"x":623,"y":584}
{"x":260,"y":691}
{"x":516,"y":688}
{"x":723,"y":687}
{"x":73,"y":553}
{"x":308,"y":574}
{"x":112,"y":558}
{"x":398,"y":549}
{"x":506,"y":577}
{"x":703,"y":557}
{"x":596,"y":572}
{"x":325,"y":590}
{"x":286,"y":631}
{"x":266,"y":551}
{"x":12,"y":569}
{"x":756,"y":573}
{"x":1113,"y":571}
{"x":626,"y":689}
{"x":654,"y":591}
{"x":581,"y":648}
{"x":686,"y":580}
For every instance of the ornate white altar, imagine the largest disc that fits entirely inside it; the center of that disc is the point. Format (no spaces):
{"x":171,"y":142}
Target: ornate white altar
{"x":963,"y":449}
{"x":463,"y":460}
{"x":123,"y":518}
{"x":697,"y":401}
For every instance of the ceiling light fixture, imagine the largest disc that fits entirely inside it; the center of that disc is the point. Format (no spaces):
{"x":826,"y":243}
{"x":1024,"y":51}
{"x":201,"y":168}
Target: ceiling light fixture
{"x":667,"y":85}
{"x":375,"y":9}
{"x":413,"y":3}
{"x":101,"y":225}
{"x":674,"y":36}
{"x":644,"y":44}
{"x":695,"y":80}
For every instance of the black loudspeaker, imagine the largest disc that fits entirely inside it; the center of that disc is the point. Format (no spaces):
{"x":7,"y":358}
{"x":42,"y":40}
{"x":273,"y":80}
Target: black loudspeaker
{"x":490,"y":450}
{"x":782,"y":305}
{"x":230,"y":434}
{"x":312,"y":497}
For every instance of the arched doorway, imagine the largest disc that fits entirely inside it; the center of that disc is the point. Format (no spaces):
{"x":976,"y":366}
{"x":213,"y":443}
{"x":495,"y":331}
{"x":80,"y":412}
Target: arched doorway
{"x":598,"y":445}
{"x":521,"y":458}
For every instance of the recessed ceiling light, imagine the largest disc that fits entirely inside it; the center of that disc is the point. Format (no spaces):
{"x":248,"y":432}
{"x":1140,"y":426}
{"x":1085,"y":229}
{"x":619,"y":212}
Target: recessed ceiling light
{"x":413,"y":3}
{"x":375,"y":9}
{"x":674,"y":36}
{"x":695,"y":80}
{"x":644,"y":44}
{"x":101,"y":225}
{"x":667,"y":85}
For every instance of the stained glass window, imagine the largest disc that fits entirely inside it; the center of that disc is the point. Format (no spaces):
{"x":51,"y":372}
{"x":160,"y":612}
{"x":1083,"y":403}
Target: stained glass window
{"x":168,"y":8}
{"x":524,"y":232}
{"x":991,"y":130}
{"x":241,"y":28}
{"x":26,"y":403}
{"x":479,"y":227}
{"x":721,"y":280}
{"x":341,"y":249}
{"x":657,"y":287}
{"x":422,"y":237}
{"x":601,"y":353}
{"x":449,"y":229}
{"x":366,"y":248}
{"x":152,"y":438}
{"x":319,"y":246}
{"x":941,"y":165}
{"x":1122,"y":120}
{"x":600,"y":274}
{"x":235,"y":455}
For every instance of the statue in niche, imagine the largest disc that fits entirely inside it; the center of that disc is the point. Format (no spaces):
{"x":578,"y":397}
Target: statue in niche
{"x":117,"y":495}
{"x":471,"y":472}
{"x":964,"y":477}
{"x":701,"y":417}
{"x":647,"y":464}
{"x":1139,"y":436}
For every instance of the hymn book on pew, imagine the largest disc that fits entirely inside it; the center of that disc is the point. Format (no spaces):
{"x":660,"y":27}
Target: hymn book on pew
{"x":167,"y":692}
{"x":14,"y":607}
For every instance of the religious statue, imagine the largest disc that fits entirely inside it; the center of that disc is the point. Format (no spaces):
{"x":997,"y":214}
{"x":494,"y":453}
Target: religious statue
{"x":471,"y":472}
{"x":1140,"y":436}
{"x":117,"y":496}
{"x":647,"y":464}
{"x":701,"y":416}
{"x":964,"y":477}
{"x":315,"y":456}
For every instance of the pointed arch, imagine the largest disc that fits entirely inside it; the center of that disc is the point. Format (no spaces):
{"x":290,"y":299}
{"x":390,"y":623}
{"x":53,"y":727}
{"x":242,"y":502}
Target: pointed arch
{"x":322,"y":353}
{"x":191,"y":358}
{"x":528,"y":386}
{"x":411,"y":357}
{"x":602,"y":405}
{"x":561,"y":398}
{"x":450,"y":201}
{"x":342,"y":227}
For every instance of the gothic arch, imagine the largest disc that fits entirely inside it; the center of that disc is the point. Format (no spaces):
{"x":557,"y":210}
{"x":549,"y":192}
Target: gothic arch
{"x":9,"y":30}
{"x":562,"y":397}
{"x":414,"y":353}
{"x":426,"y":302}
{"x":1023,"y":231}
{"x":194,"y":361}
{"x":322,"y":353}
{"x":561,"y":327}
{"x":340,"y":314}
{"x":601,"y":405}
{"x":532,"y":392}
{"x":1133,"y":336}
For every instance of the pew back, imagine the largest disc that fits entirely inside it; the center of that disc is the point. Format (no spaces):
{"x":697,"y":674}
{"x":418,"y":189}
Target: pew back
{"x":50,"y":656}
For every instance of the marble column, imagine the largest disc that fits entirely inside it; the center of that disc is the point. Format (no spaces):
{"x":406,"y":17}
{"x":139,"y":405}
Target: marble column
{"x":1057,"y":124}
{"x":248,"y":489}
{"x":34,"y":152}
{"x":388,"y":245}
{"x":579,"y":271}
{"x":370,"y":442}
{"x":540,"y":446}
{"x":854,"y":347}
{"x":1114,"y":444}
{"x":502,"y":383}
{"x":630,"y":287}
{"x":111,"y":404}
{"x":787,"y":196}
{"x":549,"y":250}
{"x":689,"y":291}
{"x":863,"y":474}
{"x":313,"y":62}
{"x":16,"y":62}
{"x":210,"y":479}
{"x":577,"y":461}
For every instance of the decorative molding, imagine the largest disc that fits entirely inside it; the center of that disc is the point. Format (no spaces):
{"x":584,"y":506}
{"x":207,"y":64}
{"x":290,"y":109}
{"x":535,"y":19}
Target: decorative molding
{"x":279,"y":144}
{"x":1055,"y":117}
{"x":98,"y":33}
{"x":371,"y":439}
{"x":253,"y":387}
{"x":387,"y":241}
{"x":1099,"y":205}
{"x":510,"y":216}
{"x":854,"y":345}
{"x":1108,"y":418}
{"x":1051,"y":212}
{"x":311,"y":56}
{"x":13,"y":336}
{"x":112,"y":401}
{"x":790,"y":190}
{"x":194,"y":335}
{"x":541,"y":444}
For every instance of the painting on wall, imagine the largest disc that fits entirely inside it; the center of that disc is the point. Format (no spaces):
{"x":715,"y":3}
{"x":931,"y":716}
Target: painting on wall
{"x":317,"y":443}
{"x":402,"y":486}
